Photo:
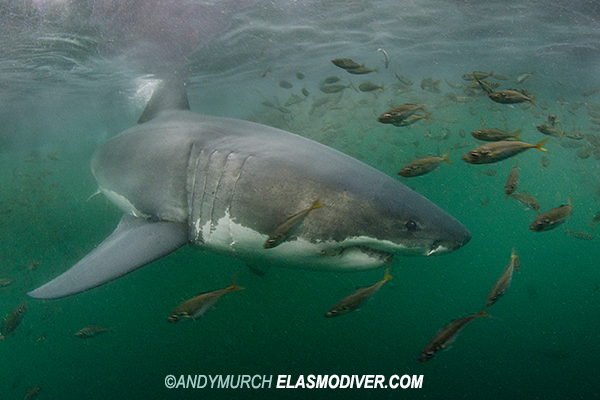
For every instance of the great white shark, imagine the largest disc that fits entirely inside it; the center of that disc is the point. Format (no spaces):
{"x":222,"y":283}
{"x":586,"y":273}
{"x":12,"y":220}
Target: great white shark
{"x":226,"y":184}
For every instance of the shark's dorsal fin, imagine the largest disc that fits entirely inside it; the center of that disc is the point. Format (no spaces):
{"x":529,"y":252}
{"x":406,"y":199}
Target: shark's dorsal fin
{"x":170,"y":94}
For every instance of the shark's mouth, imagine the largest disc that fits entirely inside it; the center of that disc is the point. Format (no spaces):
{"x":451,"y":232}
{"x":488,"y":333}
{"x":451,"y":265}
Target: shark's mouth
{"x":376,"y":255}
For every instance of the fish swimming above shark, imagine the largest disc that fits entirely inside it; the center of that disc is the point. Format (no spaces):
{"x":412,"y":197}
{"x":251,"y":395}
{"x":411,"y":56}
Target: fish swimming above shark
{"x":225,"y":185}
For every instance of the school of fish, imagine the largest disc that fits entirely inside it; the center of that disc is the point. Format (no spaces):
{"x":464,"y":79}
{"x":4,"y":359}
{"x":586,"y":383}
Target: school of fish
{"x":409,"y":111}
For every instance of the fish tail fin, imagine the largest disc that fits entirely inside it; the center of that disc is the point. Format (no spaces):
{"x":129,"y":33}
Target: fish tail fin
{"x":383,"y":86}
{"x":517,"y":134}
{"x":475,"y":78}
{"x":351,"y":85}
{"x":446,"y":158}
{"x":482,"y":313}
{"x":316,"y":205}
{"x":514,"y":256}
{"x":540,"y":145}
{"x":427,"y":116}
{"x":387,"y":275}
{"x":513,"y":253}
{"x":482,"y":122}
{"x":233,"y":284}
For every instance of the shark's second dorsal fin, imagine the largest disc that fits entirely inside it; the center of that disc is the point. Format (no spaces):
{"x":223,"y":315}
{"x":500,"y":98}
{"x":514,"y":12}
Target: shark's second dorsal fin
{"x":169,"y":95}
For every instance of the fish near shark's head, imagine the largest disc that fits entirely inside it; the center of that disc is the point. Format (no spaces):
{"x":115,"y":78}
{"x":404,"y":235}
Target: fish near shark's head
{"x":406,"y":223}
{"x":366,"y":219}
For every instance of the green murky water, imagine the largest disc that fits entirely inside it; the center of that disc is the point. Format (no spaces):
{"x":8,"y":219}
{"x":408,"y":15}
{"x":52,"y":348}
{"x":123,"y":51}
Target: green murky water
{"x":542,"y":339}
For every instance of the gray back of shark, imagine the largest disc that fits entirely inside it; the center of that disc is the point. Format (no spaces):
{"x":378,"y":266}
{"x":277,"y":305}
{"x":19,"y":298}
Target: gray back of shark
{"x":226,"y":184}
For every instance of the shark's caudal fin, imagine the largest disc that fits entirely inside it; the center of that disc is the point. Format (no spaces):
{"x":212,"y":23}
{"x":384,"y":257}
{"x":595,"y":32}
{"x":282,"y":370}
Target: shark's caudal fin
{"x":135,"y":243}
{"x":170,"y":94}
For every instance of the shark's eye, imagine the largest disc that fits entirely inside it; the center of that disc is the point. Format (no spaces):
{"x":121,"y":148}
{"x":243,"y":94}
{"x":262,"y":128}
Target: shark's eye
{"x":411,"y":226}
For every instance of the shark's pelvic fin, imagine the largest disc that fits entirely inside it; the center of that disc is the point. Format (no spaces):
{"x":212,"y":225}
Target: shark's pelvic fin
{"x":135,"y":243}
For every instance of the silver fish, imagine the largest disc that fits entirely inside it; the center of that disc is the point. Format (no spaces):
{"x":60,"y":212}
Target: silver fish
{"x":509,"y":96}
{"x":412,"y":119}
{"x":357,"y":298}
{"x":12,"y":320}
{"x":477,"y":75}
{"x":283,"y":231}
{"x":522,"y":78}
{"x":497,"y":151}
{"x":345,"y":63}
{"x":90,"y":331}
{"x":362,"y":70}
{"x":369,"y":87}
{"x":501,"y":77}
{"x":495,"y":134}
{"x":447,"y":335}
{"x":331,"y":79}
{"x":583,"y":235}
{"x":503,"y":282}
{"x":550,"y":219}
{"x":400,"y":113}
{"x":423,"y":165}
{"x":486,"y":86}
{"x":527,"y":200}
{"x":574,"y":134}
{"x":336,"y":88}
{"x":199,"y":304}
{"x":512,"y":182}
{"x":32,"y":393}
{"x":404,"y":80}
{"x":387,"y":58}
{"x":552,"y":127}
{"x":590,"y":91}
{"x":6,"y":280}
{"x":431,"y":85}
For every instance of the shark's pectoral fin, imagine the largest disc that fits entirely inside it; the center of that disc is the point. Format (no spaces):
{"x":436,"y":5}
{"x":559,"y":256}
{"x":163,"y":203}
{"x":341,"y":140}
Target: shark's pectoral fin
{"x":135,"y":243}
